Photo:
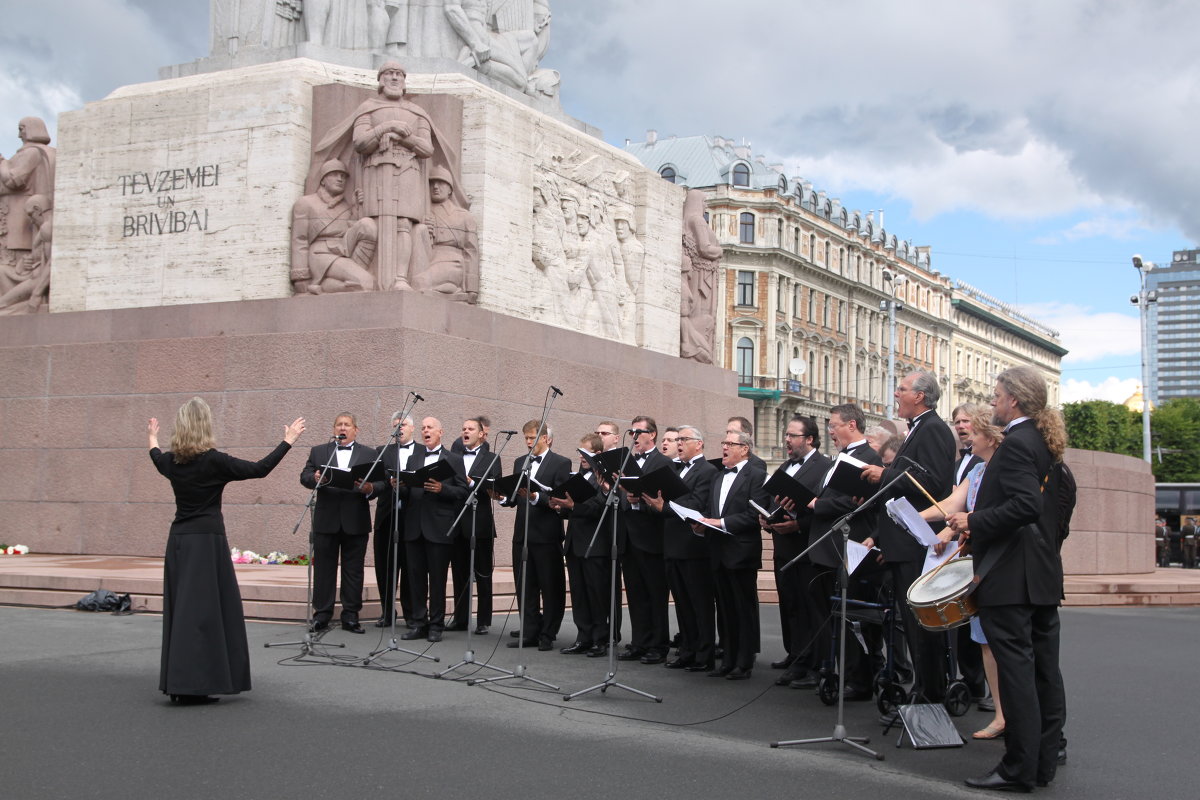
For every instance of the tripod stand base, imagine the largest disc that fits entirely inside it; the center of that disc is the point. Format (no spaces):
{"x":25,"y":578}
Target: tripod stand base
{"x":518,"y":673}
{"x":468,"y":659}
{"x":307,"y":645}
{"x":839,"y":735}
{"x":611,"y":681}
{"x":395,"y":648}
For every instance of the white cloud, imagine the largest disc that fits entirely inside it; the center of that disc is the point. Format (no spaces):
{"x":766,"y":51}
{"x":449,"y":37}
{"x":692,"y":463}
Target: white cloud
{"x":1089,"y":335}
{"x":1112,"y":389}
{"x":1105,"y":226}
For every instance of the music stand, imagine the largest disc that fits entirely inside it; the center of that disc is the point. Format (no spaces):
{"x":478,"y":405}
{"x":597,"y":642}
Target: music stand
{"x":841,"y":525}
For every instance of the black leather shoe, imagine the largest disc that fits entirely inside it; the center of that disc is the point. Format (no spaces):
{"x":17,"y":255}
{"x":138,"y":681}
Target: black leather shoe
{"x":784,"y":664}
{"x":524,"y":642}
{"x":514,"y":634}
{"x":599,"y":651}
{"x":807,"y":682}
{"x":414,"y":633}
{"x":994,"y":780}
{"x":193,"y":699}
{"x":738,"y":674}
{"x":676,"y":663}
{"x":631,"y":654}
{"x":545,"y":644}
{"x":719,"y":672}
{"x":456,"y":626}
{"x":577,"y":649}
{"x":653,"y":658}
{"x":790,"y":675}
{"x":854,"y":693}
{"x":433,"y":636}
{"x":696,"y":667}
{"x":481,"y":630}
{"x":1062,"y":756}
{"x":382,"y":622}
{"x":320,"y":625}
{"x":353,"y":626}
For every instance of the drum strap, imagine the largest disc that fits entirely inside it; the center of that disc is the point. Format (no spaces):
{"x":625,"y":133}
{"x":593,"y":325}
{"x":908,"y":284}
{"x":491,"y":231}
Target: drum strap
{"x":996,"y":554}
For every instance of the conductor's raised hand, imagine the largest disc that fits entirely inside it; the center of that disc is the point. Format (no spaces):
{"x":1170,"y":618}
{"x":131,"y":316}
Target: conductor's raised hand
{"x":152,"y":432}
{"x":292,"y":432}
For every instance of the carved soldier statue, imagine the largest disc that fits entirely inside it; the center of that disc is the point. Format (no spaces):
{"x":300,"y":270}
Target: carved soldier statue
{"x":32,"y":273}
{"x":331,"y":250}
{"x":30,"y":171}
{"x":453,"y":264}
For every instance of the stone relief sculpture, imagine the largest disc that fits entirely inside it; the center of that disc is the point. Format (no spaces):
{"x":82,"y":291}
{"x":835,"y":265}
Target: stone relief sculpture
{"x":388,"y":144}
{"x":28,"y":174}
{"x":331,"y":249}
{"x":337,"y":23}
{"x":452,"y":264}
{"x":596,"y":275}
{"x":31,"y":288}
{"x":698,"y":290}
{"x":506,"y":40}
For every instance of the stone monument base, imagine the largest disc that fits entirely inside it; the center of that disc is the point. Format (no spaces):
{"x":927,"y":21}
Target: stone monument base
{"x":79,"y":388}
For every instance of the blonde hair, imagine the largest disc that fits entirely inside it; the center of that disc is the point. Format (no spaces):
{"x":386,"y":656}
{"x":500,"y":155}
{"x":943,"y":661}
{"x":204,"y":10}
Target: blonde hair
{"x":1028,"y":387}
{"x":981,"y":422}
{"x":193,"y":432}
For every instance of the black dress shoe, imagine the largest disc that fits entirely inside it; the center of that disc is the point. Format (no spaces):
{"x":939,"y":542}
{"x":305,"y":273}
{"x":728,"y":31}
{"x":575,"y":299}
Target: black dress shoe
{"x":353,"y":626}
{"x":784,"y":664}
{"x":414,"y":633}
{"x":631,"y":654}
{"x":738,"y":674}
{"x":545,"y":644}
{"x":855,"y":693}
{"x":433,"y":636}
{"x":677,"y":663}
{"x":382,"y":622}
{"x":653,"y":658}
{"x":456,"y":626}
{"x":481,"y":630}
{"x":994,"y":780}
{"x":320,"y":625}
{"x":193,"y":699}
{"x":598,"y":651}
{"x":806,"y":682}
{"x":719,"y":672}
{"x":514,"y":634}
{"x":577,"y":649}
{"x":525,"y":642}
{"x":696,"y":667}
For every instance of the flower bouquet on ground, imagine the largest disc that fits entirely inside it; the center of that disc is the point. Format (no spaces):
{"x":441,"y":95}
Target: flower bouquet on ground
{"x":13,"y":549}
{"x":274,"y":557}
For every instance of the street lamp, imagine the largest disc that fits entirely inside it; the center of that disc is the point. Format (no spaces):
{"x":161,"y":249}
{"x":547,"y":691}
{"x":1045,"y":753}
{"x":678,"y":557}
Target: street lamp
{"x":1142,"y":300}
{"x":891,"y":305}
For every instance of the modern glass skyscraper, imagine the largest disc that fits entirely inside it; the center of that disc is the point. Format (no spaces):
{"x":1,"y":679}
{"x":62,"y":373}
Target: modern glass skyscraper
{"x":1175,"y":327}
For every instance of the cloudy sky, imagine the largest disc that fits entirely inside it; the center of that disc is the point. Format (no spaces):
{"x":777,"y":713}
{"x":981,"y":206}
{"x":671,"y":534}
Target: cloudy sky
{"x":1035,"y":146}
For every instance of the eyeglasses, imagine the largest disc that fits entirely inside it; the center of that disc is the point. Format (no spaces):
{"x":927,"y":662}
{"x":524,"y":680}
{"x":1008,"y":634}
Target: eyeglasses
{"x":796,"y":435}
{"x":688,"y":439}
{"x":734,"y":444}
{"x":605,"y":433}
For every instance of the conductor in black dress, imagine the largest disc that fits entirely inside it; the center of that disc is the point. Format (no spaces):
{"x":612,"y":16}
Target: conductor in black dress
{"x":341,"y":525}
{"x":204,"y":650}
{"x":1013,"y":533}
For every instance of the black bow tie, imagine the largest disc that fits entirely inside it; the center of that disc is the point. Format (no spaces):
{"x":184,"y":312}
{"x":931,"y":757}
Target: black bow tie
{"x":731,"y":469}
{"x":470,"y":452}
{"x":966,"y":451}
{"x":796,"y":460}
{"x":345,"y":447}
{"x":437,"y":452}
{"x":537,"y":459}
{"x":640,"y":456}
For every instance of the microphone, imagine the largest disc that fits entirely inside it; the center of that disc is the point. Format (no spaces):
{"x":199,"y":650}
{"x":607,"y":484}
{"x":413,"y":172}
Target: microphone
{"x":421,"y":399}
{"x":915,"y":464}
{"x":509,"y":433}
{"x":556,"y":390}
{"x":337,"y":437}
{"x":636,"y":431}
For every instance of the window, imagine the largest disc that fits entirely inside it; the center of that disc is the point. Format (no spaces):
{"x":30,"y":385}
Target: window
{"x":741,"y":174}
{"x":745,"y":361}
{"x":825,"y":310}
{"x":745,"y":288}
{"x":796,"y":240}
{"x":812,"y":307}
{"x":746,"y":229}
{"x":668,"y":174}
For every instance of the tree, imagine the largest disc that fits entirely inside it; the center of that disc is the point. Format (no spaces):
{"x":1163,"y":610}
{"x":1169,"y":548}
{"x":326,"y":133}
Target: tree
{"x":1175,"y":431}
{"x":1104,"y":426}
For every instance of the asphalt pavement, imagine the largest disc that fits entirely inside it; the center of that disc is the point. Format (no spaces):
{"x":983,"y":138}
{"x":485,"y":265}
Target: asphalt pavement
{"x":81,"y":717}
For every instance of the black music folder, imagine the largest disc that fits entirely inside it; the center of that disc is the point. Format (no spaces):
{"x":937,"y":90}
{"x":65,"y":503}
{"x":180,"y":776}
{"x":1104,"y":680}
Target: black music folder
{"x":437,"y":471}
{"x":663,"y":479}
{"x":340,"y":478}
{"x":780,"y":484}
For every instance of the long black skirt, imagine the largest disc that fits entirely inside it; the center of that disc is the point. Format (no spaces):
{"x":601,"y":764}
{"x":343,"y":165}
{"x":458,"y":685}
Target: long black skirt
{"x":204,"y":648}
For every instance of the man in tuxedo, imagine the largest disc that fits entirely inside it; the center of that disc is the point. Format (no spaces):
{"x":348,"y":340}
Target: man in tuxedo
{"x":479,"y":464}
{"x":642,"y":564}
{"x":846,"y":424}
{"x":428,"y":516}
{"x":669,"y":444}
{"x":1014,"y":533}
{"x":735,"y":547}
{"x":967,"y":652}
{"x":391,"y":556}
{"x":538,"y":561}
{"x":960,"y":418}
{"x":739,"y":425}
{"x":807,"y":465}
{"x":341,"y":524}
{"x":686,"y":558}
{"x":931,"y":445}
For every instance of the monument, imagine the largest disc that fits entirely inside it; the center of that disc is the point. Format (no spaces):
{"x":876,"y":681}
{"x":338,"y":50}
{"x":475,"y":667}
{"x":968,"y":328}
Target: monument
{"x":329,"y":234}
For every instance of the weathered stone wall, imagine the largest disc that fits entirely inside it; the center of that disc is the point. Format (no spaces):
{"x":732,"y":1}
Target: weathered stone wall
{"x":1112,"y":530}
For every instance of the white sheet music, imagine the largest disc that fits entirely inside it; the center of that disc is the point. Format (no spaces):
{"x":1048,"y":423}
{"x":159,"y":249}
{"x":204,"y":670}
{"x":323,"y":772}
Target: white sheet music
{"x":907,"y":517}
{"x":855,"y":553}
{"x":932,"y":559}
{"x":692,"y":515}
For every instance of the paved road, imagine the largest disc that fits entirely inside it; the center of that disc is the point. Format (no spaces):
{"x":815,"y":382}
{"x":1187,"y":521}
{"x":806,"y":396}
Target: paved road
{"x":80,"y":717}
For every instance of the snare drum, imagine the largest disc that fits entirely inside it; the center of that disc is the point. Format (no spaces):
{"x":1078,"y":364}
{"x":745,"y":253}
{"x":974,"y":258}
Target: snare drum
{"x":941,"y":598}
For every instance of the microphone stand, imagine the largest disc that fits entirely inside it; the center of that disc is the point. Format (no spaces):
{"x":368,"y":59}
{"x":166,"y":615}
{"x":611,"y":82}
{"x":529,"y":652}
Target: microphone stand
{"x":471,"y":503}
{"x":312,"y":637}
{"x":842,"y":526}
{"x":611,"y":502}
{"x":393,"y":646}
{"x":520,"y":671}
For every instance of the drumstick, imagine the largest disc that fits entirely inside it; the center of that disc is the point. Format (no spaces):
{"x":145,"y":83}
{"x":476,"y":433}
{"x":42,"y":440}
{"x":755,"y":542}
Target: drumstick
{"x":927,"y":494}
{"x":938,"y":568}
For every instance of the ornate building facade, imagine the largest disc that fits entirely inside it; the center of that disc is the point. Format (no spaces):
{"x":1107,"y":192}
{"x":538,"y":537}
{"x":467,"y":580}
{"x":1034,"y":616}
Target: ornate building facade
{"x":808,"y":287}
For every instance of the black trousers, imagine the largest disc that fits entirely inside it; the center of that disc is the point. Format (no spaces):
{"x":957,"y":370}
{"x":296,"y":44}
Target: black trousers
{"x":796,"y":618}
{"x":543,"y":603}
{"x":428,"y":563}
{"x":737,"y":597}
{"x":328,"y":549}
{"x":1025,"y":641}
{"x":691,"y":581}
{"x":460,"y":568}
{"x":391,"y":565}
{"x":646,"y":594}
{"x":591,"y":597}
{"x":928,"y":648}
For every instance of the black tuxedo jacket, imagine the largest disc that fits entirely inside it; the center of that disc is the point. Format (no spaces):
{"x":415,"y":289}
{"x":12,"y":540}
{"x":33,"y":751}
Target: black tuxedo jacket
{"x":680,"y":542}
{"x":545,"y":525}
{"x":740,"y":547}
{"x":1011,"y":506}
{"x":383,"y":490}
{"x":833,"y":504}
{"x":483,"y":466}
{"x":932,"y":445}
{"x":581,"y":525}
{"x":644,"y":526}
{"x":428,"y":515}
{"x":811,"y":473}
{"x":339,"y":509}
